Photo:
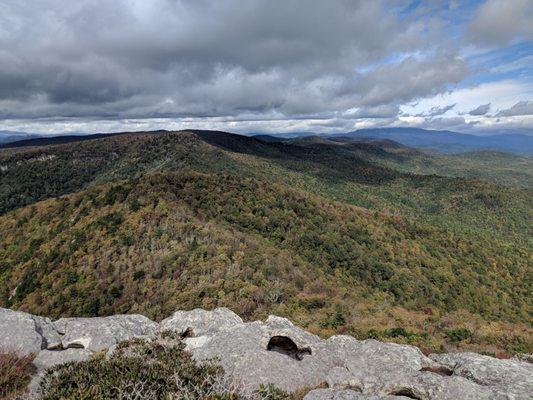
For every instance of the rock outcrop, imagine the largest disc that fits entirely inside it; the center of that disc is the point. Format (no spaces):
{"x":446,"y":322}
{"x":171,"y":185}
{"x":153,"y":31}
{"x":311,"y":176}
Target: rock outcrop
{"x":100,"y":333}
{"x":278,"y":352}
{"x":27,"y":333}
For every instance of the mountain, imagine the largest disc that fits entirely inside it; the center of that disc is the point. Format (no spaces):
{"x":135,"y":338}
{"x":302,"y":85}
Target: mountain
{"x":340,"y":172}
{"x":504,"y":168}
{"x":314,"y":229}
{"x":38,"y":140}
{"x":284,"y":135}
{"x":12,"y":136}
{"x":269,"y":138}
{"x":448,"y":141}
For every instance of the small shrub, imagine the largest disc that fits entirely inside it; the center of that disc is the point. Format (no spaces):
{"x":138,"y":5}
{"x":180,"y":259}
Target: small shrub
{"x":271,"y":392}
{"x":396,"y":332}
{"x":457,"y":334}
{"x":135,"y":205}
{"x":126,"y":240}
{"x":138,"y":275}
{"x":335,"y":320}
{"x":138,"y":369}
{"x":488,"y":353}
{"x":15,"y":372}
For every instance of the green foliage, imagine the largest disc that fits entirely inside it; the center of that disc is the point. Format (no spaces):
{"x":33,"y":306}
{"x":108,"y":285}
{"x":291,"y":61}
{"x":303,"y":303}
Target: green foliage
{"x":271,"y":392}
{"x":258,"y":248}
{"x":335,"y":320}
{"x":138,"y":275}
{"x":396,"y":332}
{"x":159,"y":369}
{"x":458,"y":334}
{"x":15,"y":373}
{"x":150,"y":370}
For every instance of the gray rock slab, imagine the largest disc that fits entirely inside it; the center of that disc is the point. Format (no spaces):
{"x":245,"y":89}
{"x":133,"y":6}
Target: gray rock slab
{"x":200,"y":322}
{"x":278,"y":352}
{"x":101,"y":333}
{"x":48,"y":358}
{"x":346,"y":394}
{"x":26,"y":333}
{"x":512,"y":379}
{"x":242,"y":351}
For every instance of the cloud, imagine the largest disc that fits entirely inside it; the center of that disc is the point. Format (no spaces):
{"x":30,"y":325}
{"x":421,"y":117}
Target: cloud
{"x":173,"y":59}
{"x":434,"y":111}
{"x":521,"y":108}
{"x":382,"y":111}
{"x":480,"y":110}
{"x":497,"y":22}
{"x":259,"y":63}
{"x":503,"y":94}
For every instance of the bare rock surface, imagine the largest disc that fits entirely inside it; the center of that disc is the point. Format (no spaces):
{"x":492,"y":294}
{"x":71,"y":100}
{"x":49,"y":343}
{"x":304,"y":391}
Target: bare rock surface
{"x":507,"y":378}
{"x":26,"y":333}
{"x":244,"y":352}
{"x":200,"y":322}
{"x":48,"y":358}
{"x":100,"y":333}
{"x":278,"y":352}
{"x":345,"y":394}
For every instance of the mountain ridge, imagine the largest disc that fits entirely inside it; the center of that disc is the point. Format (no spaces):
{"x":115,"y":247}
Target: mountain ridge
{"x":430,"y":140}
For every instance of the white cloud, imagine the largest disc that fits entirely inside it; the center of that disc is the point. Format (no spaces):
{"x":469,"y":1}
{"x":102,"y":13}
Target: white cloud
{"x":503,"y":94}
{"x":500,"y":21}
{"x":520,"y":108}
{"x":481,"y":110}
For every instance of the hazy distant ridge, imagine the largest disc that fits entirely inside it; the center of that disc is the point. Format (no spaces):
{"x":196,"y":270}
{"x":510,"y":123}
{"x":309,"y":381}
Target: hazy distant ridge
{"x":448,"y":141}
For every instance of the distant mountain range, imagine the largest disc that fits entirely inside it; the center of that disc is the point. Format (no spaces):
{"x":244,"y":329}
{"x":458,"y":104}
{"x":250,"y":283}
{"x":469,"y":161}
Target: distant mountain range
{"x":441,"y":141}
{"x":11,"y":136}
{"x":448,"y":141}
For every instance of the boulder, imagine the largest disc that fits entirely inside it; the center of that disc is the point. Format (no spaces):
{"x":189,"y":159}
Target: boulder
{"x":101,"y":333}
{"x":511,"y":379}
{"x":345,"y":394}
{"x":49,"y":358}
{"x":200,"y":322}
{"x":368,"y":365}
{"x":26,"y":333}
{"x":258,"y":353}
{"x":425,"y":385}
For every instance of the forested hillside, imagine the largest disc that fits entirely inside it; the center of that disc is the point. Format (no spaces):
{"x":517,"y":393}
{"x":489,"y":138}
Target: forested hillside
{"x":169,"y":241}
{"x":493,"y":166}
{"x":474,"y":207}
{"x":337,"y":236}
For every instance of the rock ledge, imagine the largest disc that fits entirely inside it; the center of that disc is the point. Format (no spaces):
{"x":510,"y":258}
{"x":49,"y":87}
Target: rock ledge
{"x":278,"y":352}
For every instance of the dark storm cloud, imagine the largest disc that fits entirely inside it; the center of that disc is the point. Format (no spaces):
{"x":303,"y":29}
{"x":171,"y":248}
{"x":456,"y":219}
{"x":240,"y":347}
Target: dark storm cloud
{"x":170,"y":58}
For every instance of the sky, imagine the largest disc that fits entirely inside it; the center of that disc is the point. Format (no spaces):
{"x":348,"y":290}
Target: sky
{"x":272,"y":66}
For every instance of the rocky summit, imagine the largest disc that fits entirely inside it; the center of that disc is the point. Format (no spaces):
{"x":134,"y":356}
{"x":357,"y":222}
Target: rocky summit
{"x":277,"y":352}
